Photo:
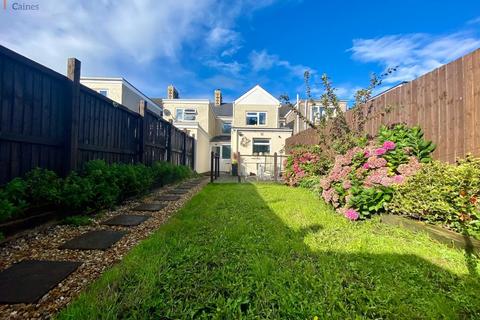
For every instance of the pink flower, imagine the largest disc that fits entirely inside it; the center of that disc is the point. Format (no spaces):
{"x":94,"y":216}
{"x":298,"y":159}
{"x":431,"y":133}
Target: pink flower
{"x":398,"y":179}
{"x":366,"y":166}
{"x":389,"y":145}
{"x":366,"y":154}
{"x":346,"y":184}
{"x":380,"y":151}
{"x":351,"y":214}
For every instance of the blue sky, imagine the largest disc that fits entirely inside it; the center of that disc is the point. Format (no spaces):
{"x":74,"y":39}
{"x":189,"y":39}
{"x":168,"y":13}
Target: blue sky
{"x":201,"y":45}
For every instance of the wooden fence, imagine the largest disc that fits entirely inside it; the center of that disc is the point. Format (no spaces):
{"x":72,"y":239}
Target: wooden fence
{"x":445,"y":103}
{"x":51,"y":121}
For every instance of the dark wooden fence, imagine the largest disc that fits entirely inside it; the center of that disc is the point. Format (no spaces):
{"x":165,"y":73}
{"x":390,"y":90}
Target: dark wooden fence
{"x":445,"y":103}
{"x":51,"y":121}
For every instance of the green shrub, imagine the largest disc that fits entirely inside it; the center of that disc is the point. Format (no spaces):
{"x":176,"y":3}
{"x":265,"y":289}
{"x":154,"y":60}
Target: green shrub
{"x":442,"y":193}
{"x":306,"y":163}
{"x":96,"y":187}
{"x":79,"y":220}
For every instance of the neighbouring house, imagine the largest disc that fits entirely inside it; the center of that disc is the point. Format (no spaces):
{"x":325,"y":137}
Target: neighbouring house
{"x":120,"y":91}
{"x":253,"y":126}
{"x":312,"y":110}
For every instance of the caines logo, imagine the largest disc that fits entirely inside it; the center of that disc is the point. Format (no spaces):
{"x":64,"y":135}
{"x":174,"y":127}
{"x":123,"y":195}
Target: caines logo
{"x":20,"y":6}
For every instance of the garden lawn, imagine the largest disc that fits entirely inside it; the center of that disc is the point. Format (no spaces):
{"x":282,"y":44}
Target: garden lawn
{"x":266,"y":251}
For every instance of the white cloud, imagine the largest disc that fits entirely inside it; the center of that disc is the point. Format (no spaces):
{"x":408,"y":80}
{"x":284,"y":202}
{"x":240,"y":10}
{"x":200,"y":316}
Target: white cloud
{"x":234,"y":68}
{"x":146,"y":41}
{"x":262,"y":60}
{"x":414,"y":54}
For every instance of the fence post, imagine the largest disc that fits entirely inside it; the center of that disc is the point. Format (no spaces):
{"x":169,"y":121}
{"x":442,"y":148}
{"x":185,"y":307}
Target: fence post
{"x":142,"y":109}
{"x":217,"y":165}
{"x":275,"y":166}
{"x":212,"y":159}
{"x":193,"y":153}
{"x":184,"y":153}
{"x":169,"y":142}
{"x":238,"y":167}
{"x":71,"y":115}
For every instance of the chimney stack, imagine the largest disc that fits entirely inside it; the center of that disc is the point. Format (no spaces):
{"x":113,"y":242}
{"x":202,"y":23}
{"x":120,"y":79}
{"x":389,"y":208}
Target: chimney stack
{"x":218,"y":97}
{"x":172,"y":93}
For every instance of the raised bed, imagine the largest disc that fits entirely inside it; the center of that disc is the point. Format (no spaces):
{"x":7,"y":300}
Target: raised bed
{"x":438,"y":233}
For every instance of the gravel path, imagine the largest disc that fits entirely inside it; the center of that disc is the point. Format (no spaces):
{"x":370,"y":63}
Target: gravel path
{"x":43,"y":245}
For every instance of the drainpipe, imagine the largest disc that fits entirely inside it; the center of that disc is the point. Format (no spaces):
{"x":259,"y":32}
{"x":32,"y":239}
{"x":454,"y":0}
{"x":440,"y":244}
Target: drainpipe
{"x":297,"y":123}
{"x":305,"y":114}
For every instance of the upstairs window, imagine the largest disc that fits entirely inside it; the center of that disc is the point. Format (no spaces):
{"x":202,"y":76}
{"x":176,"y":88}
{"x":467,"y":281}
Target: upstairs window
{"x":261,"y":146}
{"x":256,"y":118}
{"x":226,"y":127}
{"x":318,"y":113}
{"x":103,"y":92}
{"x":182,"y":114}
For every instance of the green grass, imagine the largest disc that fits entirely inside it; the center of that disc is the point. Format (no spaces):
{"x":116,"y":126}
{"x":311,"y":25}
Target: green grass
{"x":271,"y":252}
{"x":80,"y":220}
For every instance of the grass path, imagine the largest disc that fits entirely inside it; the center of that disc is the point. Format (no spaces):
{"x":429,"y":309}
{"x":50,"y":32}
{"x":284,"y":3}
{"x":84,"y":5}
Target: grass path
{"x":271,"y":252}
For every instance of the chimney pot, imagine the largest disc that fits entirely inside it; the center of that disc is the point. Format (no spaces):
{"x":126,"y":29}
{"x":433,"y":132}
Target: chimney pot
{"x":172,"y":93}
{"x":218,"y":97}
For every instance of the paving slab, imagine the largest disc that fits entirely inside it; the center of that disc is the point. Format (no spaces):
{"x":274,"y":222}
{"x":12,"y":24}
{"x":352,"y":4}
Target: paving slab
{"x":94,"y":240}
{"x":126,"y":220}
{"x":168,"y":197}
{"x":179,"y":191}
{"x":152,"y":206}
{"x":28,"y":281}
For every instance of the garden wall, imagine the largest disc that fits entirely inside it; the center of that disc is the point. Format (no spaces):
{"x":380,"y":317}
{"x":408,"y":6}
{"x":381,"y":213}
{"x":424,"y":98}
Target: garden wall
{"x":445,"y":103}
{"x":51,"y":121}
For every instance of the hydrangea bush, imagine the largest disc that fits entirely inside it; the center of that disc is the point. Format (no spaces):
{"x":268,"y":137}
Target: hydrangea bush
{"x":305,"y":164}
{"x":361,"y":181}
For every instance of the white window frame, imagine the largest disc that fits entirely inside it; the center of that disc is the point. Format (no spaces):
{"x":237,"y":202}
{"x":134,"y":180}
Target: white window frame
{"x":256,"y":143}
{"x":257,"y":115}
{"x":224,"y":123}
{"x":185,"y":111}
{"x":104,"y":90}
{"x":320,"y":108}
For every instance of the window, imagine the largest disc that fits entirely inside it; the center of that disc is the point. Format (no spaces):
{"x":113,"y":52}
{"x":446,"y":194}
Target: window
{"x":318,"y":112}
{"x":226,"y":152}
{"x":182,"y":114}
{"x":103,"y":92}
{"x":226,"y":127}
{"x":261,"y":146}
{"x":256,"y":118}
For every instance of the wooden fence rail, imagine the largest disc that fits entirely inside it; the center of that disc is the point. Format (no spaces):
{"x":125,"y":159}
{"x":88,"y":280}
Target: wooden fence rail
{"x":51,"y":121}
{"x":445,"y":103}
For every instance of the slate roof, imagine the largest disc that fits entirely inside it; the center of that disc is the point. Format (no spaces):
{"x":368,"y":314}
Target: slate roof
{"x":221,"y":139}
{"x":283,"y":110}
{"x":223,"y":110}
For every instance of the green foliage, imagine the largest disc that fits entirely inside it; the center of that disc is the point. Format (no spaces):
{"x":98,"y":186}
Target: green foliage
{"x":409,"y":141}
{"x":97,"y":186}
{"x":368,"y":201}
{"x":80,"y":220}
{"x":444,"y":194}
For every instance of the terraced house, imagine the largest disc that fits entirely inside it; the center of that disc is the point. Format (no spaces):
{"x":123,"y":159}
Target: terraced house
{"x":252,"y":126}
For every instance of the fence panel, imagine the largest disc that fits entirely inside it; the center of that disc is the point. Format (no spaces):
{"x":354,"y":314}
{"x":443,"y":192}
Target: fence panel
{"x":31,"y":116}
{"x":45,"y":122}
{"x":445,"y":103}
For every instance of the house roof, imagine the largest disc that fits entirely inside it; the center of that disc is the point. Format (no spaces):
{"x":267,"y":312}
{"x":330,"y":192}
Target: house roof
{"x":223,"y":110}
{"x":283,"y":110}
{"x":257,"y":92}
{"x":221,"y":139}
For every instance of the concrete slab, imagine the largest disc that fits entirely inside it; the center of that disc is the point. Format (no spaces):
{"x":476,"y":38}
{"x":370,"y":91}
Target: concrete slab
{"x":126,"y":220}
{"x":94,"y":240}
{"x":179,"y":191}
{"x":28,"y":281}
{"x":168,"y":197}
{"x":152,"y":206}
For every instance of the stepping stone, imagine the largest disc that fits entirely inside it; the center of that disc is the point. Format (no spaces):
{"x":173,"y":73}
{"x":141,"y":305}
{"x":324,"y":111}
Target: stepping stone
{"x":168,"y":197}
{"x":152,"y":206}
{"x":28,"y":281}
{"x":179,"y":191}
{"x":94,"y":240}
{"x":126,"y":220}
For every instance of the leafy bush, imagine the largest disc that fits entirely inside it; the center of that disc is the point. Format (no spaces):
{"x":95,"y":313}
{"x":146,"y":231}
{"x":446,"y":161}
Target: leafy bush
{"x":98,"y":186}
{"x":361,"y":181}
{"x":305,"y":164}
{"x":79,"y":220}
{"x":444,"y":194}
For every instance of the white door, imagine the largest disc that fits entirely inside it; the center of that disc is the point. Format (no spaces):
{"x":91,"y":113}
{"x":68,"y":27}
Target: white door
{"x":226,"y":158}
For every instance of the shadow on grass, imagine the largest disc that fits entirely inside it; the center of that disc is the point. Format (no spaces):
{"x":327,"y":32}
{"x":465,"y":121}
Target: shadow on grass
{"x":228,"y":255}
